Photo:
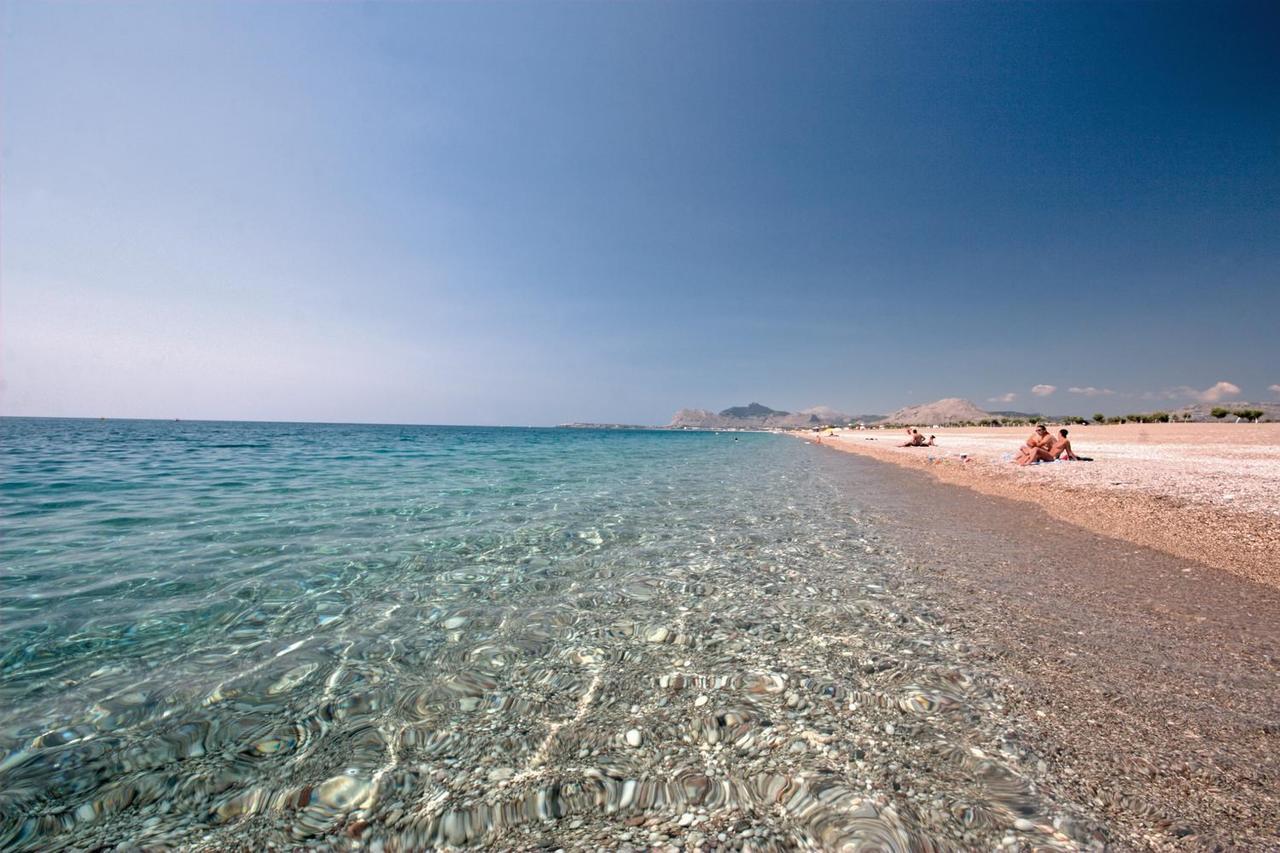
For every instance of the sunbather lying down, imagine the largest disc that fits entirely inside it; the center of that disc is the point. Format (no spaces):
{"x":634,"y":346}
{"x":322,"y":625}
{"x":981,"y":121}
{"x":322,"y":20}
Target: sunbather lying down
{"x":1043,"y":447}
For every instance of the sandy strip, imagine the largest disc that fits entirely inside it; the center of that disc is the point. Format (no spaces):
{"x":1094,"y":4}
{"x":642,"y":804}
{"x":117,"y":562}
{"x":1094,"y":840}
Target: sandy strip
{"x":1205,"y":492}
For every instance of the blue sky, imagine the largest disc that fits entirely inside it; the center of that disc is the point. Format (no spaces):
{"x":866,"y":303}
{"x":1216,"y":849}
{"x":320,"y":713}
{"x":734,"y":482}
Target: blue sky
{"x":531,"y":213}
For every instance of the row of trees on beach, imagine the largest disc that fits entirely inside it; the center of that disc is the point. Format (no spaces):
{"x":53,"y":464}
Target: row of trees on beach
{"x":1142,"y":418}
{"x":1252,"y":415}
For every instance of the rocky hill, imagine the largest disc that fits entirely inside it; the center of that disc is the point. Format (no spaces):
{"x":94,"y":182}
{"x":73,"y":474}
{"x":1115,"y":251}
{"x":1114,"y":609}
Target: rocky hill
{"x":947,"y":411}
{"x":757,"y":416}
{"x":828,"y":415}
{"x":752,"y":410}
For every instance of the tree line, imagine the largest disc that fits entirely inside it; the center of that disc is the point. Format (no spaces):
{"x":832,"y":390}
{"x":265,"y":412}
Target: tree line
{"x":1252,"y":415}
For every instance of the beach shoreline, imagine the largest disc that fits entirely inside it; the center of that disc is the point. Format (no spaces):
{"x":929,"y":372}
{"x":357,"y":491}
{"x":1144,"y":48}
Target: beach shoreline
{"x":1205,"y":492}
{"x":1146,"y":679}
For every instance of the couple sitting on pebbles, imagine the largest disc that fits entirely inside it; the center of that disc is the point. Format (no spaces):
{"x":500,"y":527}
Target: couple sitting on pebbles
{"x":915,"y":439}
{"x":1043,"y":447}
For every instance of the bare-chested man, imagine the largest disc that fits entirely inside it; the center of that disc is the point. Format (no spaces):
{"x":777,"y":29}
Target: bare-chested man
{"x":1062,"y":447}
{"x":1039,"y":447}
{"x":914,"y":438}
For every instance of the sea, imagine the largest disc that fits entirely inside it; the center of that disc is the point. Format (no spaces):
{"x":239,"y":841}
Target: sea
{"x":223,"y":635}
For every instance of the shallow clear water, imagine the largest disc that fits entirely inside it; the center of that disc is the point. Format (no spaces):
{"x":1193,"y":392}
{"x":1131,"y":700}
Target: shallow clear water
{"x":411,"y":636}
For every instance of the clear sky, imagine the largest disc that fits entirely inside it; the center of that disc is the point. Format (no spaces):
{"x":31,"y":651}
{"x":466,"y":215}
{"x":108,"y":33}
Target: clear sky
{"x":531,"y":213}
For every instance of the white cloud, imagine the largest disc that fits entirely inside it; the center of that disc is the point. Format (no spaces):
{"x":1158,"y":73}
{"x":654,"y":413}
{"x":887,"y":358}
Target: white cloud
{"x":1212,"y":394}
{"x":1003,"y":398}
{"x":1043,"y":390}
{"x":1090,"y":391}
{"x":1274,"y":389}
{"x":1217,"y":392}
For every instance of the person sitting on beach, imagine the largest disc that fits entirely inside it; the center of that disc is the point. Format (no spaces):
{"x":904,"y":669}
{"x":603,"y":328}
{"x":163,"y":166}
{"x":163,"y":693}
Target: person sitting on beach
{"x":915,"y":438}
{"x":930,"y":442}
{"x":1062,"y":447}
{"x":1037,"y":448}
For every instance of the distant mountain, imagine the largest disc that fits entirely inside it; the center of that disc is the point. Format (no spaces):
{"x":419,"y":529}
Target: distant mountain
{"x":828,"y":415}
{"x":758,"y":416}
{"x":751,"y":410}
{"x":947,"y":411}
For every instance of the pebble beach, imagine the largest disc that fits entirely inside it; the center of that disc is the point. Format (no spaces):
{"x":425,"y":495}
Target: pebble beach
{"x":1206,"y":492}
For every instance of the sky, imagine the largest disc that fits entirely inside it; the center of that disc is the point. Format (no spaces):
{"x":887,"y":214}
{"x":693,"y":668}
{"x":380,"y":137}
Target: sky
{"x":535,"y":213}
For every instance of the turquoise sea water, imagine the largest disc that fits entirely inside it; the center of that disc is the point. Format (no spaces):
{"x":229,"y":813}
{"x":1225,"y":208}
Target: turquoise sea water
{"x":429,"y":635}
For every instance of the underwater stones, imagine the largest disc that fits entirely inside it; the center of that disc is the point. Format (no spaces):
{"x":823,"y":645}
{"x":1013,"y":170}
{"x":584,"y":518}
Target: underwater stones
{"x":454,"y":828}
{"x":269,"y":746}
{"x":866,"y":810}
{"x":922,"y":703}
{"x":332,"y":799}
{"x":343,"y":793}
{"x":292,"y":679}
{"x":558,"y":670}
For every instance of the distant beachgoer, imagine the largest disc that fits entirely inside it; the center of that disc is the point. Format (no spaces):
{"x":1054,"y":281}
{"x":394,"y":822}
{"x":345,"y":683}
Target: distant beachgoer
{"x":914,"y":439}
{"x":1038,"y":448}
{"x":930,"y":442}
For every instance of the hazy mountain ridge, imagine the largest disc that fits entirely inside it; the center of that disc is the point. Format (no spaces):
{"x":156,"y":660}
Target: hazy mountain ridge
{"x":945,"y":411}
{"x":758,"y":416}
